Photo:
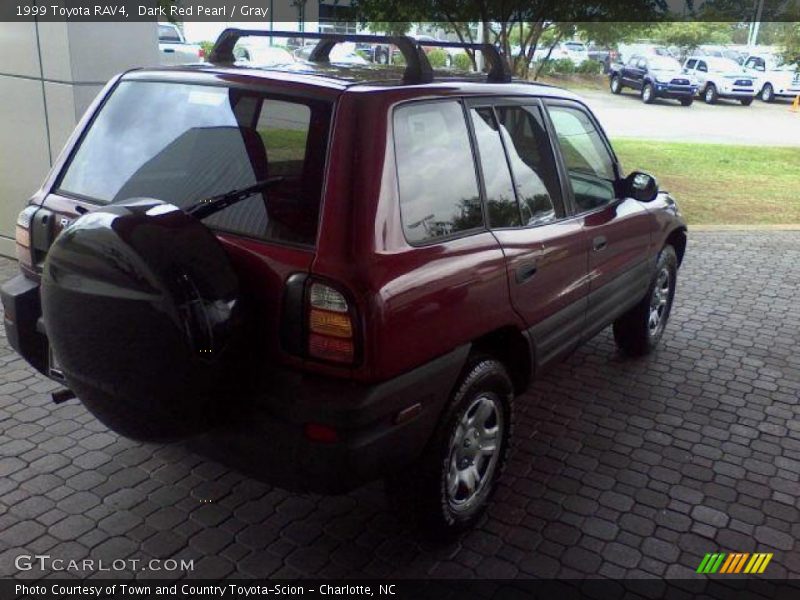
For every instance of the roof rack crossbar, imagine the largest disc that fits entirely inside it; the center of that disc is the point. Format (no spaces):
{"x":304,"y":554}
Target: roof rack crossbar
{"x":418,"y":68}
{"x":499,"y":71}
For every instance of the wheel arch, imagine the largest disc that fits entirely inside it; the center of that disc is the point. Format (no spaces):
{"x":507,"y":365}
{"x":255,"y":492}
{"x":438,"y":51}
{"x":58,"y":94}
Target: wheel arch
{"x":513,"y":348}
{"x":677,"y":239}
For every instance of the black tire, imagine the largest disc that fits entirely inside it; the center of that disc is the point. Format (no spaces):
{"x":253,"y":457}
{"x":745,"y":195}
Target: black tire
{"x":710,"y":95}
{"x":633,"y":331}
{"x":648,"y":93}
{"x":421,"y":491}
{"x":746,"y":101}
{"x":687,"y":101}
{"x":615,"y":83}
{"x":767,"y":93}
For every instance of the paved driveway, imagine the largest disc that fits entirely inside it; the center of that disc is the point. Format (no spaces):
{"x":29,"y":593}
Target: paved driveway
{"x":621,"y":467}
{"x":727,"y":122}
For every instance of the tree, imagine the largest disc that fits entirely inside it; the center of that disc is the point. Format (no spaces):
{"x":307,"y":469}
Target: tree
{"x":687,"y":36}
{"x":790,"y":44}
{"x":508,"y":23}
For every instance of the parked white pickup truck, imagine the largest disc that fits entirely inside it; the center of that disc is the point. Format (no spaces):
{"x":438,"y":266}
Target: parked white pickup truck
{"x":173,"y":49}
{"x":720,"y":78}
{"x":775,"y":78}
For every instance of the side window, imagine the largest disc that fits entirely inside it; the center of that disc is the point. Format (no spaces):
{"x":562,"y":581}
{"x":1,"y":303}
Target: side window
{"x":691,"y":64}
{"x":501,"y":201}
{"x":435,"y":170}
{"x":701,"y":66}
{"x":532,"y":163}
{"x":632,"y":61}
{"x":283,"y":128}
{"x":642,"y":63}
{"x":590,"y":165}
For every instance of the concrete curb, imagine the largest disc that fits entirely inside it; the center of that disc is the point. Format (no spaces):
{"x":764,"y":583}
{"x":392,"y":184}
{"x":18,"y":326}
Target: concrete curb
{"x":782,"y":227}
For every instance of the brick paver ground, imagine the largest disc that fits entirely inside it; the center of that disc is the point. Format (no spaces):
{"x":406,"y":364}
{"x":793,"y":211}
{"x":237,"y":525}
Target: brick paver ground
{"x":621,"y":467}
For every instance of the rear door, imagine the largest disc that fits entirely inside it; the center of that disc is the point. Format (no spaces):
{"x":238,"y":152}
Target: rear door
{"x":617,"y":230}
{"x":545,"y":251}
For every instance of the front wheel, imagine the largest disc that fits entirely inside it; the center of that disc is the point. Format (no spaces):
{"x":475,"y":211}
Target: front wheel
{"x":746,"y":101}
{"x":449,"y":486}
{"x":767,"y":93}
{"x":648,"y":93}
{"x":639,"y":330}
{"x":616,"y":84}
{"x":710,"y":95}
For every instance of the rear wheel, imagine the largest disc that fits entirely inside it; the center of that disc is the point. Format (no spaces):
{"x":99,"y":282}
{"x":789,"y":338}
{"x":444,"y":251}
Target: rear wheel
{"x":687,"y":101}
{"x":616,"y":84}
{"x":767,"y":93}
{"x":456,"y":475}
{"x":710,"y":95}
{"x":648,"y":93}
{"x":638,"y":331}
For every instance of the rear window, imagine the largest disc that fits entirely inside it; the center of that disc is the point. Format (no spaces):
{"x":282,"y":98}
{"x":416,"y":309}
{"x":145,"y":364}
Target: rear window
{"x":182,"y":143}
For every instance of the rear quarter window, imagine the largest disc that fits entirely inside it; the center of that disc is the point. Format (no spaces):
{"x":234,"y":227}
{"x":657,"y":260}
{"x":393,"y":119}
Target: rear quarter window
{"x":437,"y":182}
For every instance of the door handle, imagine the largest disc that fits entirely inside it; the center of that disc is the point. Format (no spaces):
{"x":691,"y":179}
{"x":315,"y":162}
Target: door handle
{"x":599,"y":243}
{"x":525,"y":272}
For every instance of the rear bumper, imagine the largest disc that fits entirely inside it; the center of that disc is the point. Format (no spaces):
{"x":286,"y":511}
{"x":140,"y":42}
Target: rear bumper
{"x":379,"y":428}
{"x":22,"y":310}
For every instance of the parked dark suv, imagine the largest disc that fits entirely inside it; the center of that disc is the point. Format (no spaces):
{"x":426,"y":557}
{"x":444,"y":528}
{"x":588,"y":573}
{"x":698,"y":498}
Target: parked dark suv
{"x":400,"y":256}
{"x":654,"y":77}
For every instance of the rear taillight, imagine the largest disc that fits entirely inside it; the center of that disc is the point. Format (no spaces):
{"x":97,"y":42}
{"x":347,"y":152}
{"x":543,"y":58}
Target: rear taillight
{"x":23,"y":236}
{"x":331,"y":333}
{"x":201,"y":54}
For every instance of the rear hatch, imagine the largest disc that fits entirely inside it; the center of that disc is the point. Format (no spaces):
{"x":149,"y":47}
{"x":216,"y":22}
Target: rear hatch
{"x":182,"y":137}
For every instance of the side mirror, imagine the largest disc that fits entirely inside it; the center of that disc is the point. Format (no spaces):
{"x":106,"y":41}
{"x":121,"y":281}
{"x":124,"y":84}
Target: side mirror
{"x":640,"y":186}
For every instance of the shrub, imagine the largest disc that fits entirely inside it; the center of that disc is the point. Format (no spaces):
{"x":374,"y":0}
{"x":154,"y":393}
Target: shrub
{"x":462,"y":62}
{"x":438,"y":58}
{"x":207,"y":47}
{"x":590,"y":67}
{"x":563,"y":66}
{"x":398,"y":59}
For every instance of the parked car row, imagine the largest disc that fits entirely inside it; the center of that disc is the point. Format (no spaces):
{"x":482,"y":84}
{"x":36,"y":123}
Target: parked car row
{"x":709,"y":77}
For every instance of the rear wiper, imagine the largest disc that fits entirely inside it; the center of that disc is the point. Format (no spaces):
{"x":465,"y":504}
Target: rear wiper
{"x":214,"y":204}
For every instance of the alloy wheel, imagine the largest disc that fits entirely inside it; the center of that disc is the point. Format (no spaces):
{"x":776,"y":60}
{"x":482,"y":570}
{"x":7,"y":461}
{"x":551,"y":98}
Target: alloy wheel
{"x":659,"y":303}
{"x":474,"y":452}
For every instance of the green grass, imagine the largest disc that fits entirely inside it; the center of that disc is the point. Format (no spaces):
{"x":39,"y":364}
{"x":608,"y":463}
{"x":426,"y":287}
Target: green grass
{"x":721,"y":184}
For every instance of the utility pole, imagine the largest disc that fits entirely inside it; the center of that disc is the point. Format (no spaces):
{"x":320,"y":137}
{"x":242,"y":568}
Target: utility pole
{"x":752,"y":42}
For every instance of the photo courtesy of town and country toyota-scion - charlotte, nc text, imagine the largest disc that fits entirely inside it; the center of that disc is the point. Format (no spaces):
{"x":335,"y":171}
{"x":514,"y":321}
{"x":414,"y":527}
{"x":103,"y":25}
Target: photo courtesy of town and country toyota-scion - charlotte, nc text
{"x":102,"y":590}
{"x":125,"y":11}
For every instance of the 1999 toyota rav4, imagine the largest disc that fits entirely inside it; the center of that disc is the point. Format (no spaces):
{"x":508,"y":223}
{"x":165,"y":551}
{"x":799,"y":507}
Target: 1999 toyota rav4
{"x":324,"y":274}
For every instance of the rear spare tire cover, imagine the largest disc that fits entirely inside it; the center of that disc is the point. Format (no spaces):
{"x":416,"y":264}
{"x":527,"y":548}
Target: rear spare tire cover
{"x":141,"y":306}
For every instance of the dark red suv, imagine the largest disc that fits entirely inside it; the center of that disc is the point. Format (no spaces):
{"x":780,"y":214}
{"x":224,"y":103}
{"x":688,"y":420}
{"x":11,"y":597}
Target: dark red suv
{"x":325,"y":274}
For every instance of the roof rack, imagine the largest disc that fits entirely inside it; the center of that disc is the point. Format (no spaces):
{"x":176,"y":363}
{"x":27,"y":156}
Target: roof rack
{"x":418,"y":68}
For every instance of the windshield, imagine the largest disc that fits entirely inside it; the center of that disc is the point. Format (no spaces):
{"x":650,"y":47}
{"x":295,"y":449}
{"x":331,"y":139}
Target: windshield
{"x":724,"y":64}
{"x":663,"y":63}
{"x":183,"y":143}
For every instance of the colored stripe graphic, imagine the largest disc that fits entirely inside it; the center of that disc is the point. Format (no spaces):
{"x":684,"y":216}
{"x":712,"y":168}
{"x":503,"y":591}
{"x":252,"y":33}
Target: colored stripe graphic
{"x":711,"y":563}
{"x":734,"y":563}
